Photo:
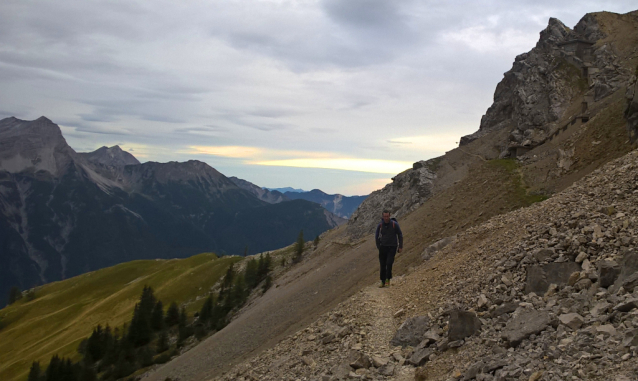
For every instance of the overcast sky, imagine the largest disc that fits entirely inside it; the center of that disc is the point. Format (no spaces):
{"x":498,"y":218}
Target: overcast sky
{"x":338,"y":95}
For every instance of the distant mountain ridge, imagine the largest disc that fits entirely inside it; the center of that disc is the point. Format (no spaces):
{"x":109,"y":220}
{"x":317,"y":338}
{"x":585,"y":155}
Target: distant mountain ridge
{"x":342,"y":206}
{"x":286,"y":189}
{"x":113,"y":156}
{"x":64,"y":213}
{"x":270,"y":196}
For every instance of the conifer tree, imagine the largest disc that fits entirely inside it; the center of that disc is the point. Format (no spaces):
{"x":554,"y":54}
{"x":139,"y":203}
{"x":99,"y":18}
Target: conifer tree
{"x":316,"y":241}
{"x":184,"y":330}
{"x":34,"y":372}
{"x":14,"y":294}
{"x":205,"y":314}
{"x":157,"y":317}
{"x":140,"y":331}
{"x":162,"y":342}
{"x":251,"y":274}
{"x":299,"y":246}
{"x":172,"y":315}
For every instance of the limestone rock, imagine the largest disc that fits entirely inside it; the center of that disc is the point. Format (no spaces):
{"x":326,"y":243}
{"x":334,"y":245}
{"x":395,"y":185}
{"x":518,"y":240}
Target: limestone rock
{"x":525,"y":324}
{"x":462,"y":324}
{"x":572,"y":320}
{"x":411,"y":331}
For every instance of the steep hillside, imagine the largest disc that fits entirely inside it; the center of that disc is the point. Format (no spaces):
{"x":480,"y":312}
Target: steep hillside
{"x":63,"y":313}
{"x":548,"y":292}
{"x":446,"y":200}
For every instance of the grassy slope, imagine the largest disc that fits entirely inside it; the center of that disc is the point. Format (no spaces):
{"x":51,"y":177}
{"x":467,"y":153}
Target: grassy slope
{"x":66,"y":312}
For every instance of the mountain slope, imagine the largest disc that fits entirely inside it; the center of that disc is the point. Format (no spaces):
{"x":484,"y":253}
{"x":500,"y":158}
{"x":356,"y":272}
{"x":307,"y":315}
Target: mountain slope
{"x":63,"y":313}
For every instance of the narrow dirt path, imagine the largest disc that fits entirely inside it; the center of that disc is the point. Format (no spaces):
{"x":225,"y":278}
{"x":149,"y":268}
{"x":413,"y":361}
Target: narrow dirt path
{"x":380,"y":303}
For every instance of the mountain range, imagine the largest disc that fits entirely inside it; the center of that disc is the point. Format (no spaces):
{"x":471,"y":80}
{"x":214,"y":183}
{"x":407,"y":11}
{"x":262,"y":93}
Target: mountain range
{"x":64,"y":213}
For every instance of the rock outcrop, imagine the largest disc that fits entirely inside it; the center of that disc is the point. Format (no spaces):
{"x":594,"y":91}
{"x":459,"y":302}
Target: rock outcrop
{"x":565,"y":66}
{"x":407,"y":192}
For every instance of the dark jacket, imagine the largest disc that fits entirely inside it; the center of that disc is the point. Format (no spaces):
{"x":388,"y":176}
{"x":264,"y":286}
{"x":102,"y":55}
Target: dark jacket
{"x":389,"y":234}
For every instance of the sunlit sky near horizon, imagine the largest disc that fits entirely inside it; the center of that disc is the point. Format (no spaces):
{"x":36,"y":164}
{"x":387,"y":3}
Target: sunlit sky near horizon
{"x":338,"y":95}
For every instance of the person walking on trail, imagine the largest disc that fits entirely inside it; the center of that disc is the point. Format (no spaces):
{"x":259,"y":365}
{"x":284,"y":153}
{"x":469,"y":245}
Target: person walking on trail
{"x":389,"y":239}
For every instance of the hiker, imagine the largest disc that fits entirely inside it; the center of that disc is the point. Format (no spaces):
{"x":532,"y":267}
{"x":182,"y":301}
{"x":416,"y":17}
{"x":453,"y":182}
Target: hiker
{"x":388,"y":238}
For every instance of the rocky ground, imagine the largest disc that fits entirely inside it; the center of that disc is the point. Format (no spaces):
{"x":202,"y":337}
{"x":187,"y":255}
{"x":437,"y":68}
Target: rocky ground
{"x":548,"y":292}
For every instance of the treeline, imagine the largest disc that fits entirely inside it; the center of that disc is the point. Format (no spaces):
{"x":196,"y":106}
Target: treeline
{"x":154,"y":336}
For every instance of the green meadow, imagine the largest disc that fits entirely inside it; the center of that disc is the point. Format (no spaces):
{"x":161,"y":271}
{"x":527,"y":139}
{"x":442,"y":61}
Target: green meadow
{"x":64,"y":313}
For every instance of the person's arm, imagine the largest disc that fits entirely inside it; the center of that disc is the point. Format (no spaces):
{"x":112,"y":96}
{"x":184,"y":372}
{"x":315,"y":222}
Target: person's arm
{"x":400,"y":235}
{"x":376,"y":236}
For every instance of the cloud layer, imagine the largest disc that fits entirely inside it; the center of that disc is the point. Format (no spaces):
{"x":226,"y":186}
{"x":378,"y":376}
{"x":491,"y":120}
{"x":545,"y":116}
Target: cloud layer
{"x":363,"y":80}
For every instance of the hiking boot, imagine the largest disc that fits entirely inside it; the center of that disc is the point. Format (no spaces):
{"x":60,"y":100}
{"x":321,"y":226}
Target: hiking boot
{"x":382,"y":284}
{"x":387,"y":283}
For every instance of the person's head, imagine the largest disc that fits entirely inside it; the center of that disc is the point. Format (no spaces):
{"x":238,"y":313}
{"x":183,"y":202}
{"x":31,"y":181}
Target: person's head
{"x":386,"y":216}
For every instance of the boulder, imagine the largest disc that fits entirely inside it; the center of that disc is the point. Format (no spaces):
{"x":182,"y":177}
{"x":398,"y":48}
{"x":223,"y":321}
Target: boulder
{"x":539,"y":277}
{"x":572,"y":320}
{"x":608,"y":272}
{"x":411,"y":331}
{"x":462,"y":324}
{"x":525,"y":324}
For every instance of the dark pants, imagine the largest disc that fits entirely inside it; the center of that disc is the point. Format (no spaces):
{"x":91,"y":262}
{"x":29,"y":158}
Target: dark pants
{"x":386,"y":259}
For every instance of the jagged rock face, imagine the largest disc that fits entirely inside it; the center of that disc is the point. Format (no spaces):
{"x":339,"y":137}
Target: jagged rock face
{"x":33,"y":146}
{"x":544,"y":82}
{"x":271,"y":197}
{"x":113,"y":156}
{"x":407,"y":192}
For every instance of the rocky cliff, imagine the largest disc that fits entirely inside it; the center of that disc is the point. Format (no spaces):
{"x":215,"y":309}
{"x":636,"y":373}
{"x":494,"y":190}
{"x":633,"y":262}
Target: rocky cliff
{"x":561,"y":98}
